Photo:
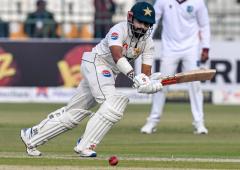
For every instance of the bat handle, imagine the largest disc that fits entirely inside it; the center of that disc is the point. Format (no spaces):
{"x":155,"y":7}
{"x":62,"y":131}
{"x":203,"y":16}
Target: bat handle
{"x":169,"y":81}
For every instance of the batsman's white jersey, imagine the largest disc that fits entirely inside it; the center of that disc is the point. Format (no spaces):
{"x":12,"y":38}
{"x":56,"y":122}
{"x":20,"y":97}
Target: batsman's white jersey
{"x":121,"y":35}
{"x":182,"y":24}
{"x":106,"y":69}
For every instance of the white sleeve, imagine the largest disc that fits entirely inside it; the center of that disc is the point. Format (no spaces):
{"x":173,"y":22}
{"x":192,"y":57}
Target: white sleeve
{"x":115,"y":36}
{"x":203,"y":21}
{"x":158,"y":7}
{"x":147,"y":55}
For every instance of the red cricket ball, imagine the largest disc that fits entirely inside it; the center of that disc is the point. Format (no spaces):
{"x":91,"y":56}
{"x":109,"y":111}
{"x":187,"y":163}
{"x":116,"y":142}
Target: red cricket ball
{"x":113,"y":161}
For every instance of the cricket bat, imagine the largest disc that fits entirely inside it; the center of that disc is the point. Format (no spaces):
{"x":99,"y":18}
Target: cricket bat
{"x":183,"y":77}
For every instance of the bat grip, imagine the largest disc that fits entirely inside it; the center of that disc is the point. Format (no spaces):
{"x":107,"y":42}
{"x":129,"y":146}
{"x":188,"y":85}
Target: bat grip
{"x":169,"y":81}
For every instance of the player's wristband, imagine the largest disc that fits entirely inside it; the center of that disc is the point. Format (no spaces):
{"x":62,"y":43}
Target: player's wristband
{"x":125,"y":67}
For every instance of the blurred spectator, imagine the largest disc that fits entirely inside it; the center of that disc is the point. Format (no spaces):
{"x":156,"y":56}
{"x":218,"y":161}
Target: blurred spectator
{"x":41,"y":23}
{"x":104,"y":10}
{"x":4,"y":29}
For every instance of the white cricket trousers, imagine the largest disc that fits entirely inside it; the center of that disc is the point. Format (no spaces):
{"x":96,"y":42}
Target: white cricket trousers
{"x":168,"y":67}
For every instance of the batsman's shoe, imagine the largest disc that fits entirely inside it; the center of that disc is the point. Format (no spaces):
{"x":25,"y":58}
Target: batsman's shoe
{"x":200,"y":129}
{"x":85,"y":152}
{"x":149,"y":128}
{"x":89,"y":152}
{"x":25,"y":136}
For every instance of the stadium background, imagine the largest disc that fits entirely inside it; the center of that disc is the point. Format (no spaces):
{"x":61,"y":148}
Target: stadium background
{"x":54,"y":62}
{"x":38,"y":73}
{"x":78,"y":16}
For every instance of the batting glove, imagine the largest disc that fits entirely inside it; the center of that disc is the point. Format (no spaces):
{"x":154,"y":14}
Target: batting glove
{"x":140,"y":79}
{"x":153,"y":87}
{"x":156,"y":76}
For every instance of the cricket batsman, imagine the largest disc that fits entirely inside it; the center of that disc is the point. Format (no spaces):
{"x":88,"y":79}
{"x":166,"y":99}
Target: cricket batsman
{"x":123,"y":44}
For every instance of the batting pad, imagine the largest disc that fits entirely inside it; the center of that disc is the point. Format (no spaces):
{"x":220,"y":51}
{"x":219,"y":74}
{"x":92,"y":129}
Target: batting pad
{"x":110,"y":112}
{"x":56,"y":123}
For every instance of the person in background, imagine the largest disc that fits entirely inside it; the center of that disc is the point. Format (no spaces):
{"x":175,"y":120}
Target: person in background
{"x":41,"y":23}
{"x":185,"y":32}
{"x":4,"y":29}
{"x":104,"y":10}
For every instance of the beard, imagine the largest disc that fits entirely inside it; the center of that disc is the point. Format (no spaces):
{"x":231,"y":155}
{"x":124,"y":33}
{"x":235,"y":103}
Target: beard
{"x":138,"y":32}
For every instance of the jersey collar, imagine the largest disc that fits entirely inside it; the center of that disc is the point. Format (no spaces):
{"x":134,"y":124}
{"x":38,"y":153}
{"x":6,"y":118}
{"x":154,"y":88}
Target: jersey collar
{"x":180,"y":1}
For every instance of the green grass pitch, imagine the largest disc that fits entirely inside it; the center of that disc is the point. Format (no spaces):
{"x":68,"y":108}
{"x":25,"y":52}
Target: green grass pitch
{"x":173,"y":146}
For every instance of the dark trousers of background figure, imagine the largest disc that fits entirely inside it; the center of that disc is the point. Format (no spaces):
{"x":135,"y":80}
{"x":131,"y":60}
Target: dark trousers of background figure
{"x":101,"y":27}
{"x":4,"y":29}
{"x":104,"y":10}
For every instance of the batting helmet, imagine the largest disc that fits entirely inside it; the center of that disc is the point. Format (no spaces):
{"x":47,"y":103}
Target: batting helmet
{"x":144,"y":12}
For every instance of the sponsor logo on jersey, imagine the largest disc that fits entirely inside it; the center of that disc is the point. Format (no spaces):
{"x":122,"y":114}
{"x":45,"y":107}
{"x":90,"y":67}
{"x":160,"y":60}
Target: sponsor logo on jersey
{"x":114,"y":36}
{"x":190,"y":9}
{"x":106,"y":73}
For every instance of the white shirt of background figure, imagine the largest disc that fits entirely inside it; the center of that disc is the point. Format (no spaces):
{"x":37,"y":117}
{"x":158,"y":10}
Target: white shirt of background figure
{"x":121,"y":35}
{"x":184,"y":22}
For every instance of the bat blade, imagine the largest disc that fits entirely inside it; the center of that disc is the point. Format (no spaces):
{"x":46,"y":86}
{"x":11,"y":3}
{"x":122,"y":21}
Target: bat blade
{"x":195,"y":75}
